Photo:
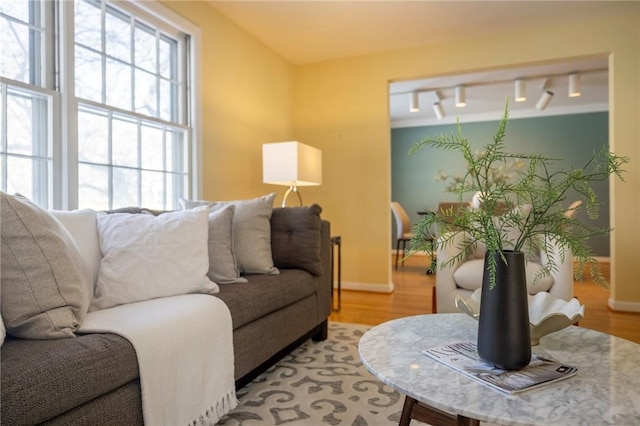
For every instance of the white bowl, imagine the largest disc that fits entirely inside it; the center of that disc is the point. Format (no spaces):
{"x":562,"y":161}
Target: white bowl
{"x":547,"y":313}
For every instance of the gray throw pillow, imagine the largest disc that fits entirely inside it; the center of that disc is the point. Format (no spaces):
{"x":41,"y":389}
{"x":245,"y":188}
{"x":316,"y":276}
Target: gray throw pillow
{"x":295,"y":238}
{"x":44,"y":281}
{"x":251,"y":232}
{"x":223,"y":267}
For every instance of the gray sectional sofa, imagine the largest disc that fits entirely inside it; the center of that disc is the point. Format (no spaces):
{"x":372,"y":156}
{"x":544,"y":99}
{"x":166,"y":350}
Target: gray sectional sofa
{"x":93,"y":379}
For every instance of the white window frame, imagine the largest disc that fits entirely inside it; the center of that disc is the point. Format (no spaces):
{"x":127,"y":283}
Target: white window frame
{"x":69,"y":147}
{"x":51,"y":130}
{"x":58,"y":87}
{"x":193,"y":82}
{"x":46,"y":90}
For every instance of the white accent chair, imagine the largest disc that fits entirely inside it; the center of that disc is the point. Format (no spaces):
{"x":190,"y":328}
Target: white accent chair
{"x":403,"y":229}
{"x":466,"y":275}
{"x":573,"y":209}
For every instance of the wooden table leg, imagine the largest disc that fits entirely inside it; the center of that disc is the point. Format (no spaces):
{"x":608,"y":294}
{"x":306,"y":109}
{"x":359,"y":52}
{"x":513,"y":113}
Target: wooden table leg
{"x":466,"y":421}
{"x":413,"y":409}
{"x":405,"y":417}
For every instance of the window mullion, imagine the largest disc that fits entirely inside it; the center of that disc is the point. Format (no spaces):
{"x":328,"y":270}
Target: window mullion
{"x":157,"y":71}
{"x":55,"y":146}
{"x":3,"y":136}
{"x":181,"y":96}
{"x":164,"y":163}
{"x":139,"y":148}
{"x":132,"y":32}
{"x":35,"y":50}
{"x":110,"y":160}
{"x":103,"y":62}
{"x":66,"y":131}
{"x":39,"y":148}
{"x":50,"y":35}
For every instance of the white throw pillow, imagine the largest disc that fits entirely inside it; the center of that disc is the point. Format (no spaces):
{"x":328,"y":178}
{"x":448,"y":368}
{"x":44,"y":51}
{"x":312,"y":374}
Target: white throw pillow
{"x":251,"y":232}
{"x":83,"y":227}
{"x":146,"y":257}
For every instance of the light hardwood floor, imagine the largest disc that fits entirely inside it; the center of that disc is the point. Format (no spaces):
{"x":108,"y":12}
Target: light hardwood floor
{"x":412,"y":296}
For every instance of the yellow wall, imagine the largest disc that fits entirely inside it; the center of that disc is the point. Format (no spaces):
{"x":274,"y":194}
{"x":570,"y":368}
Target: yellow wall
{"x":251,"y":96}
{"x":342,"y":107}
{"x":247,"y":95}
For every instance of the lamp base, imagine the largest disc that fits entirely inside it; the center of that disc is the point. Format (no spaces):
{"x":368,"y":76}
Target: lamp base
{"x":294,"y":189}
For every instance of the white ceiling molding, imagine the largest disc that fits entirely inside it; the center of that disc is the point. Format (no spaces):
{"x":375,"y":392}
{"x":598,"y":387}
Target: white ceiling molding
{"x":496,"y":115}
{"x":487,"y":92}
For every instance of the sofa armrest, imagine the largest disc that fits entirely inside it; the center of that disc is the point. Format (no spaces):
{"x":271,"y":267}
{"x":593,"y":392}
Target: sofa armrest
{"x":325,"y":281}
{"x":296,"y":238}
{"x":445,"y":284}
{"x":300,"y":239}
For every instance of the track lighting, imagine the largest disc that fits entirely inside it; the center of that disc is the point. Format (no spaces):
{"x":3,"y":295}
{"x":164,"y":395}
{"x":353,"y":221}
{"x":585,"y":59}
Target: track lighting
{"x":437,"y":108}
{"x":461,"y":97}
{"x":574,"y":85}
{"x":544,"y":100}
{"x":414,"y":105}
{"x":521,"y":90}
{"x":456,"y":93}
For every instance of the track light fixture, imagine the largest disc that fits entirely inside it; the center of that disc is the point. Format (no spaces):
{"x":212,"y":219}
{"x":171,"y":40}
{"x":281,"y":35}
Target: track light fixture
{"x":461,"y":97}
{"x":434,"y":95}
{"x":574,"y":85}
{"x":544,"y":100}
{"x":437,"y":108}
{"x":546,"y":96}
{"x":521,"y":90}
{"x":414,"y":105}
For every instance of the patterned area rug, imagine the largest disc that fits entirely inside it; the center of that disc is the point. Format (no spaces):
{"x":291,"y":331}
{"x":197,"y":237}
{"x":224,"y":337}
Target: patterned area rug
{"x":320,"y":383}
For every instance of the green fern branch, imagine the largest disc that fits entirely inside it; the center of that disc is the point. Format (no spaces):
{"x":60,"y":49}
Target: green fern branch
{"x":537,"y":185}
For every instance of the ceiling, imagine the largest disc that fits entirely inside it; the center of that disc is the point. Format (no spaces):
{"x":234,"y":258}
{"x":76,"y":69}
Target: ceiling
{"x":308,"y":31}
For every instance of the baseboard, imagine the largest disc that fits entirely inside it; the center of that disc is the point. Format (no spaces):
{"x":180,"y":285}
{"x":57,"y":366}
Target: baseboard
{"x":375,"y":288}
{"x":624,"y":306}
{"x":417,"y":253}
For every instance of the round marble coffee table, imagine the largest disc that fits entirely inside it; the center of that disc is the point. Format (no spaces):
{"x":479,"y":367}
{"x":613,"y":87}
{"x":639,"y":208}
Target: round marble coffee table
{"x":605,"y":391}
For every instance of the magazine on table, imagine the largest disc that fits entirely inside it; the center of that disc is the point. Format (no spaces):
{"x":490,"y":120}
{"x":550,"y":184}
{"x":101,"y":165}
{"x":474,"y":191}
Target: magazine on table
{"x":463,"y":357}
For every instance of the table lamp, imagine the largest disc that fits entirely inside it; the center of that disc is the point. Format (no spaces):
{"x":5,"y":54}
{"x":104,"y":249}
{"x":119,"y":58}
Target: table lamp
{"x":291,"y":164}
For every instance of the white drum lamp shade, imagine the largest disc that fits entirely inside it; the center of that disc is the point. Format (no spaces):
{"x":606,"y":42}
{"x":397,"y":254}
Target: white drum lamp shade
{"x":291,"y":164}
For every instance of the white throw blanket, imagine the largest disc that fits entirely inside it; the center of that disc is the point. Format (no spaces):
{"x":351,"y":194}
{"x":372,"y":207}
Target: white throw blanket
{"x":184,"y":346}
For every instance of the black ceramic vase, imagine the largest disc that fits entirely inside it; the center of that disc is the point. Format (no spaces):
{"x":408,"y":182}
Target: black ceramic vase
{"x":503,"y":329}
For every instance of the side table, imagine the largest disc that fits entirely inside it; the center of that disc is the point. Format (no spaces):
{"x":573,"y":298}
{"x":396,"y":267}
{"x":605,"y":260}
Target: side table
{"x":336,"y":242}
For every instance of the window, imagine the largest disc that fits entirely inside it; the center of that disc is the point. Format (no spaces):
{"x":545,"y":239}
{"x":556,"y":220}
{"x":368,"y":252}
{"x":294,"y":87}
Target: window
{"x":26,"y":105}
{"x":121,"y":98}
{"x":132,"y":145}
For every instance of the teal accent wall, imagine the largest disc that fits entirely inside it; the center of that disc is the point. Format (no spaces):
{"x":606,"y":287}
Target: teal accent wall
{"x":572,"y":138}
